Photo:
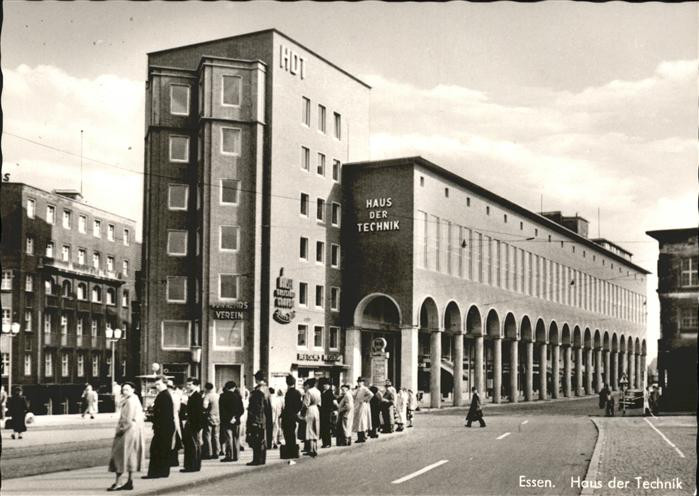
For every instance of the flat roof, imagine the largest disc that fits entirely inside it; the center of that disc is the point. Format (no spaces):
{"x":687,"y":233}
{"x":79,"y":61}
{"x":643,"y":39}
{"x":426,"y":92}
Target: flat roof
{"x":254,"y":33}
{"x":554,"y":226}
{"x":662,"y":234}
{"x":605,"y":240}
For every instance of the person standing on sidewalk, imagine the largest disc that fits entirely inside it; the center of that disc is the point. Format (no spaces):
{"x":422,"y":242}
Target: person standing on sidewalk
{"x":389,"y":412}
{"x":258,"y":407}
{"x":193,"y":426}
{"x":327,"y":406}
{"x":475,"y":412}
{"x":231,"y":409}
{"x":176,"y":395}
{"x":293,"y":401}
{"x":412,"y":405}
{"x":346,"y":412}
{"x":3,"y":403}
{"x":375,"y":409}
{"x":312,"y":401}
{"x":361,"y":422}
{"x":163,"y":432}
{"x":90,"y":400}
{"x":277,"y":407}
{"x":17,"y":408}
{"x":211,"y":446}
{"x":128,"y":449}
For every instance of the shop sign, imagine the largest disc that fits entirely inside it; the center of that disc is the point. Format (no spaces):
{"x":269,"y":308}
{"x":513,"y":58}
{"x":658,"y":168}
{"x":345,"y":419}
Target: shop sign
{"x":233,"y":311}
{"x":317,"y":357}
{"x":284,"y":299}
{"x":379,"y":216}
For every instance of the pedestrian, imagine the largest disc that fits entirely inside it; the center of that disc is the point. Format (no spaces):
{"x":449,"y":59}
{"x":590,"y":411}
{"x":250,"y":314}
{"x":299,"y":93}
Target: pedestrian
{"x":475,"y":411}
{"x":610,"y":403}
{"x":195,"y":419}
{"x":90,"y":400}
{"x":654,"y":399}
{"x":388,"y":404}
{"x":293,"y":402}
{"x":277,"y":408}
{"x":257,"y":421}
{"x":164,"y":432}
{"x":211,"y":447}
{"x":17,"y":408}
{"x":177,"y":407}
{"x":312,"y":401}
{"x":602,"y":396}
{"x":412,"y":405}
{"x":128,"y":448}
{"x":328,"y":404}
{"x":401,"y":409}
{"x":361,"y":422}
{"x":269,"y":418}
{"x":346,"y":413}
{"x":231,"y":410}
{"x":375,"y":410}
{"x":245,"y":394}
{"x":3,"y":403}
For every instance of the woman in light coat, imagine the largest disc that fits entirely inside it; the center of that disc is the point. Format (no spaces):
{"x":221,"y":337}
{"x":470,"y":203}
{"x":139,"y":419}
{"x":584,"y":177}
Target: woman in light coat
{"x":128,"y":449}
{"x":362,"y":414}
{"x":312,"y":401}
{"x":345,"y":416}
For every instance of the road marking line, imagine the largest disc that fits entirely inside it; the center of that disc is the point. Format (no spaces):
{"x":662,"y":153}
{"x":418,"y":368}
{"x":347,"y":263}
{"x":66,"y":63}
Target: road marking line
{"x":419,"y":472}
{"x":665,"y":438}
{"x":525,"y":422}
{"x":504,"y":435}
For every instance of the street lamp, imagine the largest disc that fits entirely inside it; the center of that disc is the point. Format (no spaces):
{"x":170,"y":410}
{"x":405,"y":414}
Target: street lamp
{"x":112,"y":335}
{"x":10,"y":330}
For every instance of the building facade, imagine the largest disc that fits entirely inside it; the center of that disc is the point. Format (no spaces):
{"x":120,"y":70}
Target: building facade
{"x":678,"y":290}
{"x":245,"y":141}
{"x":68,"y":273}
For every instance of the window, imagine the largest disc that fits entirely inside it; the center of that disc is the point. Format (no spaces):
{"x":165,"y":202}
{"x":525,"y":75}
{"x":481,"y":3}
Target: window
{"x":176,"y":243}
{"x":111,"y":297}
{"x":536,"y":233}
{"x":521,"y":227}
{"x":95,"y":365}
{"x":179,"y":99}
{"x":446,"y":192}
{"x":318,"y":336}
{"x":337,"y":172}
{"x":81,"y":256}
{"x":335,"y":299}
{"x":48,"y":286}
{"x":47,"y":323}
{"x":28,"y":321}
{"x":49,"y":249}
{"x":82,"y":224}
{"x":29,"y":283}
{"x":304,"y":204}
{"x":30,"y":245}
{"x":228,"y":334}
{"x":504,"y":219}
{"x":229,"y":238}
{"x":6,"y":280}
{"x":31,"y":208}
{"x":48,"y":365}
{"x":175,"y":334}
{"x":468,"y":201}
{"x":303,"y":294}
{"x":228,"y":286}
{"x":110,"y":264}
{"x":335,"y":255}
{"x":6,"y":316}
{"x":487,"y":210}
{"x":176,"y":289}
{"x":65,"y":253}
{"x":96,"y":260}
{"x":687,"y":319}
{"x":301,"y":336}
{"x":96,"y":294}
{"x":320,"y":210}
{"x":305,"y":111}
{"x":27,"y":364}
{"x":230,"y":141}
{"x":81,"y":365}
{"x":320,"y":293}
{"x":177,"y":196}
{"x":338,"y":126}
{"x":229,"y":191}
{"x":65,"y":364}
{"x":320,"y":169}
{"x":305,"y":158}
{"x":688,"y":271}
{"x":335,"y":214}
{"x":93,"y":328}
{"x":334,"y":338}
{"x":50,"y":214}
{"x":97,"y":228}
{"x":303,"y":248}
{"x":422,"y":180}
{"x":321,"y":119}
{"x":125,"y":268}
{"x":66,"y":219}
{"x":179,"y":149}
{"x":110,"y":232}
{"x":230,"y":90}
{"x":67,"y":289}
{"x":125,"y":298}
{"x":126,"y":237}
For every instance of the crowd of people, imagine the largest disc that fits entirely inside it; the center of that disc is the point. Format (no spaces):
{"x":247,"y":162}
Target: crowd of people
{"x":207,"y":424}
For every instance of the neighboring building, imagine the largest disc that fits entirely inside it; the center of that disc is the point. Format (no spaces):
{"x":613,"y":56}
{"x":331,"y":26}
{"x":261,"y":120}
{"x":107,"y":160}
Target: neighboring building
{"x":245,"y":141}
{"x":68,"y":272}
{"x":678,"y":290}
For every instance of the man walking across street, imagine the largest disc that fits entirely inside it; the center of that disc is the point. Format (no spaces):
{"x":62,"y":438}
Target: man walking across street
{"x":258,"y":407}
{"x":211,"y":446}
{"x":163,"y":432}
{"x":231,"y":409}
{"x":293,"y":401}
{"x":193,"y":426}
{"x":475,"y":412}
{"x":90,"y":400}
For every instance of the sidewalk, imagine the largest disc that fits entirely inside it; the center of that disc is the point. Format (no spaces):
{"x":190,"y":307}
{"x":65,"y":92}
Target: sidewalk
{"x":97,"y":479}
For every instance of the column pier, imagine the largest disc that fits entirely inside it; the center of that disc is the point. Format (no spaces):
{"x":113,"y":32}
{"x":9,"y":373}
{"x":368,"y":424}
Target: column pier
{"x":458,"y":369}
{"x":555,"y":362}
{"x":639,"y":372}
{"x":632,"y":371}
{"x":542,"y":371}
{"x":567,"y":390}
{"x":598,"y":369}
{"x":435,"y":368}
{"x":408,"y":357}
{"x":529,"y":372}
{"x":497,"y":370}
{"x":578,"y":372}
{"x":588,"y":371}
{"x":514,"y":369}
{"x":353,"y":353}
{"x":479,"y":375}
{"x":614,"y":370}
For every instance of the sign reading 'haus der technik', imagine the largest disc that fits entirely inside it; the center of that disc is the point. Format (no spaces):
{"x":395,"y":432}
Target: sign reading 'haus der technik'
{"x":379,"y":212}
{"x":284,"y":299}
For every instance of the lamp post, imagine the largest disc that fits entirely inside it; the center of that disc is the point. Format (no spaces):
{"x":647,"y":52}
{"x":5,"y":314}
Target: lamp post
{"x":113,"y":335}
{"x":10,"y":330}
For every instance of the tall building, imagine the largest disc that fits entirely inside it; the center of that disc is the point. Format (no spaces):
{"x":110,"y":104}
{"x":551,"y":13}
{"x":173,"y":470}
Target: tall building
{"x":245,"y":141}
{"x":678,"y":290}
{"x":68,"y":274}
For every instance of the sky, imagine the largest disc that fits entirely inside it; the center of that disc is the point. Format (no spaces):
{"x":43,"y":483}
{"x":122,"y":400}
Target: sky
{"x":576,"y":107}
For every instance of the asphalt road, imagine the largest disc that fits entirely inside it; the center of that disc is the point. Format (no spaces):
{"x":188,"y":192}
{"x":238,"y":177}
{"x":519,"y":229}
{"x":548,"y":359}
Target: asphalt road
{"x":552,"y":442}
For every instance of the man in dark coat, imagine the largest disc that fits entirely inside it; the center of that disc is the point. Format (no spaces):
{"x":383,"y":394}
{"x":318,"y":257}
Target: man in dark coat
{"x":192,"y":429}
{"x":231,"y":409}
{"x":259,"y":407}
{"x":475,"y":412}
{"x":375,"y":407}
{"x":327,"y":405}
{"x":163,"y":432}
{"x":293,"y":401}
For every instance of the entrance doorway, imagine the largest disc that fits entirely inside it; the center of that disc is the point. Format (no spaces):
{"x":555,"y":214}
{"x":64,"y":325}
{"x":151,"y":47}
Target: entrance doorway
{"x":225,"y":373}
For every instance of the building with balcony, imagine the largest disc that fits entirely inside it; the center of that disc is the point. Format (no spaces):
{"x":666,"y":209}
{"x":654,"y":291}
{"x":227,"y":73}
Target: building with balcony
{"x":678,"y":290}
{"x":68,"y":273}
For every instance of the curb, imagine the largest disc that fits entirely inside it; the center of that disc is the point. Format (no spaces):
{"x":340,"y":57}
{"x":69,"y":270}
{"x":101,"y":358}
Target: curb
{"x":501,"y":405}
{"x":593,"y":467}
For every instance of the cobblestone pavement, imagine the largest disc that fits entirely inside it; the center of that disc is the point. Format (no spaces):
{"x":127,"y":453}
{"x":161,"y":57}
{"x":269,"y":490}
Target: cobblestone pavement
{"x":631,"y":448}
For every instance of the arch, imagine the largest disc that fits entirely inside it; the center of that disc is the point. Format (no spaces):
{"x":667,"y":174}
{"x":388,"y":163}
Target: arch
{"x":82,"y":291}
{"x":96,"y":294}
{"x":377,"y":311}
{"x":565,"y":335}
{"x":540,"y":333}
{"x":111,"y":296}
{"x":577,"y":337}
{"x":597,"y":340}
{"x":587,"y":338}
{"x":637,"y":346}
{"x":629,"y":345}
{"x":622,"y":344}
{"x":643,"y":347}
{"x":67,"y":289}
{"x":615,"y":342}
{"x":526,"y":329}
{"x":492,"y":324}
{"x":605,"y":341}
{"x":429,"y":314}
{"x":554,"y":337}
{"x":452,"y":318}
{"x":510,"y":327}
{"x":474,"y":323}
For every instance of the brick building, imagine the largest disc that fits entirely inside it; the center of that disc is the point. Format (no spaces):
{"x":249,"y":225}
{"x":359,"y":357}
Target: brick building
{"x":68,"y":272}
{"x":678,"y":290}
